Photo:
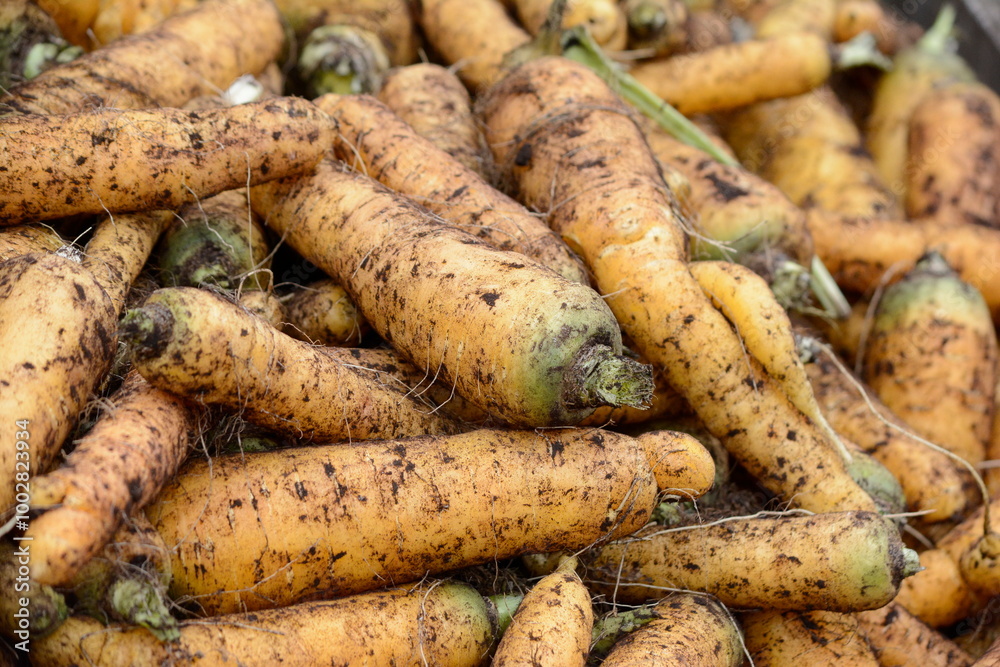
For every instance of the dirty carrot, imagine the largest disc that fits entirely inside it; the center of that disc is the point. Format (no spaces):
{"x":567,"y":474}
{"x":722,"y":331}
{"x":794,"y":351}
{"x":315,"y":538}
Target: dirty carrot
{"x":932,"y":357}
{"x":377,"y":142}
{"x":898,"y":638}
{"x":192,"y":54}
{"x":120,"y":465}
{"x":392,"y":511}
{"x":472,"y":35}
{"x":552,"y":624}
{"x":837,"y":561}
{"x":447,"y":624}
{"x":57,"y":339}
{"x":513,"y":337}
{"x":198,"y":344}
{"x":138,"y":160}
{"x":686,"y":629}
{"x":322,"y":312}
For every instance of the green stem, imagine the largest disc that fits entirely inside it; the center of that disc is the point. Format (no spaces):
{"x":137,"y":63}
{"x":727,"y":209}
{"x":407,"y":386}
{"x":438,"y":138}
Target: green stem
{"x":938,"y":38}
{"x":827,"y":291}
{"x":141,"y":603}
{"x":578,"y":45}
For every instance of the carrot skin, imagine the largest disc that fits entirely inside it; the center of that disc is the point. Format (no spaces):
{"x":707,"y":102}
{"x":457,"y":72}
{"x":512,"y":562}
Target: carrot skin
{"x":392,"y":511}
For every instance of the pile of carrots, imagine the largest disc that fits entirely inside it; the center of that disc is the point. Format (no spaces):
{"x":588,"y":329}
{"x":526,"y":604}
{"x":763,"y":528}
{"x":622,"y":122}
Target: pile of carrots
{"x":512,"y":332}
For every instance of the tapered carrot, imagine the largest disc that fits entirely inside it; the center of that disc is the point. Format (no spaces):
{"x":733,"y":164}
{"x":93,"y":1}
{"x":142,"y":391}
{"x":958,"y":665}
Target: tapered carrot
{"x":810,"y":148}
{"x":376,"y":141}
{"x":552,"y":624}
{"x":192,"y":54}
{"x":953,"y":150}
{"x":786,"y":639}
{"x":511,"y":336}
{"x":932,"y":357}
{"x":433,"y":101}
{"x":392,"y":511}
{"x":898,"y":638}
{"x":322,"y":312}
{"x":120,"y":465}
{"x":198,"y":344}
{"x":931,"y":480}
{"x":440,"y":623}
{"x":48,"y":365}
{"x":686,"y":629}
{"x":560,"y":134}
{"x":734,"y":75}
{"x":837,"y":561}
{"x":930,"y":63}
{"x":138,"y":160}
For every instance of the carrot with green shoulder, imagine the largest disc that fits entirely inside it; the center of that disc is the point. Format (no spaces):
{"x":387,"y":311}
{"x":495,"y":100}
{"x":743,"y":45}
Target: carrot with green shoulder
{"x":515,"y":338}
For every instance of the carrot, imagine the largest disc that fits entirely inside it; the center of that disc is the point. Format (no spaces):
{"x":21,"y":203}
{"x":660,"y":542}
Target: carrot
{"x":791,"y":16}
{"x":560,"y":135}
{"x":30,"y":42}
{"x":376,"y":141}
{"x":810,"y":148}
{"x":198,"y":344}
{"x":392,"y":511}
{"x":859,"y":251}
{"x":439,"y":623}
{"x":682,"y":466}
{"x":151,"y":159}
{"x":898,"y":638}
{"x":22,"y":239}
{"x":120,"y":465}
{"x":473,"y":36}
{"x":207,"y":48}
{"x":552,"y":625}
{"x":953,"y":150}
{"x":433,"y":101}
{"x":838,"y":561}
{"x":49,"y":368}
{"x":28,"y":610}
{"x":748,"y":303}
{"x":775,"y":638}
{"x":323,"y":313}
{"x":930,"y":63}
{"x":734,"y":75}
{"x":660,"y":26}
{"x":514,"y":338}
{"x":931,"y":481}
{"x":604,"y":19}
{"x":686,"y":629}
{"x":932,"y":357}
